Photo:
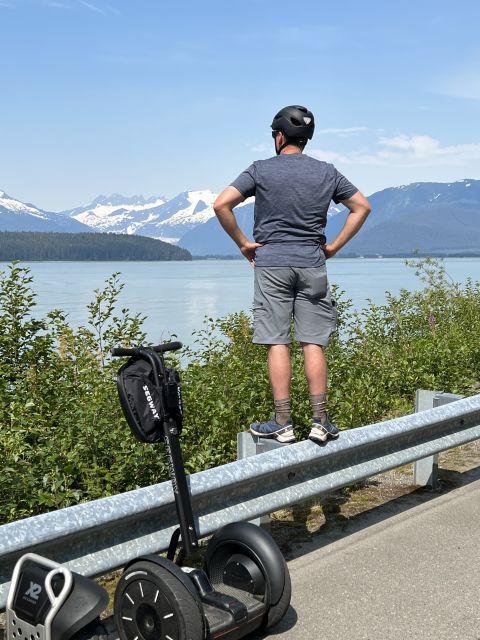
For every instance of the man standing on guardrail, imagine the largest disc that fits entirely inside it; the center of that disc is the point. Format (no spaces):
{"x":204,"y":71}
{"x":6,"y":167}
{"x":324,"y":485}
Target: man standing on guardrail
{"x":292,"y":194}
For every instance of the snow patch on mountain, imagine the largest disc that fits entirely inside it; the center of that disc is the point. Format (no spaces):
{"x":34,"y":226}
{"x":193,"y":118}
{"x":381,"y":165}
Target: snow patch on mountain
{"x":198,"y":210}
{"x":15,"y":206}
{"x":333,"y":209}
{"x":157,"y":217}
{"x":105,"y":216}
{"x":21,"y":216}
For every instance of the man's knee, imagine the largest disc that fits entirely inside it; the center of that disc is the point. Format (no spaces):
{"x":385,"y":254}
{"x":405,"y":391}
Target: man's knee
{"x":310,"y":346}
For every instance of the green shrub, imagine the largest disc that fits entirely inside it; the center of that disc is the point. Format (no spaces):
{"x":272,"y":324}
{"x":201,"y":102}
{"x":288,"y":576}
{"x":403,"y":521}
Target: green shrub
{"x":62,"y":433}
{"x":64,"y":438}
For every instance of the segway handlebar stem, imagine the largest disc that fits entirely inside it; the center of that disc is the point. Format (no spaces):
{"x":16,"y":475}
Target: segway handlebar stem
{"x":159,"y":348}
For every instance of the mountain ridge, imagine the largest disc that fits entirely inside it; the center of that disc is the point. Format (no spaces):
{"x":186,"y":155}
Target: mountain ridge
{"x":423,"y":216}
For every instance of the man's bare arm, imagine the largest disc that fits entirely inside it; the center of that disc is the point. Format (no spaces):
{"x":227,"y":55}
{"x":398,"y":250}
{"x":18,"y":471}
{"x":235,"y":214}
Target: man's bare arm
{"x":223,"y":207}
{"x":359,"y":208}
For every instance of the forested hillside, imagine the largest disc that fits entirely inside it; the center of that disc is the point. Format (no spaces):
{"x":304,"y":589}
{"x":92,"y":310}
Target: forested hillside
{"x":29,"y":245}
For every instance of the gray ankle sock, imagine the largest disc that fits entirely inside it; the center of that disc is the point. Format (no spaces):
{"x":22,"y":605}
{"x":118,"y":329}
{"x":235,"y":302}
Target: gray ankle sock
{"x":282,"y":411}
{"x":319,"y":406}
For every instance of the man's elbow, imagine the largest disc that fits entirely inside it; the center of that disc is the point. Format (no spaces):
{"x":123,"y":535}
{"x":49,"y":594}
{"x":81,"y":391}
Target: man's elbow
{"x":219,"y":206}
{"x":361,"y":212}
{"x":365,"y":208}
{"x":227,"y":200}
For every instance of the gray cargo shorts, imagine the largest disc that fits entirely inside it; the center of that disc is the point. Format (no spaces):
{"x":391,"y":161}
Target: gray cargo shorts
{"x":285,"y":293}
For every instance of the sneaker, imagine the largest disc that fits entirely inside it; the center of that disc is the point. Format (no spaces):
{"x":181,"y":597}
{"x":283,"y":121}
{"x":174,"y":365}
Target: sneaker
{"x":321,"y":431}
{"x":271,"y":429}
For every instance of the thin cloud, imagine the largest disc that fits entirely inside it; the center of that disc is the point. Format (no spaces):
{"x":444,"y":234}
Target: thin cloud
{"x":259,"y":148}
{"x":343,"y":133}
{"x":406,"y":151}
{"x":72,"y":4}
{"x":91,"y":6}
{"x":426,"y":148}
{"x":113,"y":10}
{"x":54,"y":4}
{"x":461,"y":82}
{"x":466,"y":85}
{"x":296,"y":38}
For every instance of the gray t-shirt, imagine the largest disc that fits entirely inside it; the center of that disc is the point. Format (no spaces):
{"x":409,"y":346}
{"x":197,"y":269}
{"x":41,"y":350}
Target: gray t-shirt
{"x":292,"y":195}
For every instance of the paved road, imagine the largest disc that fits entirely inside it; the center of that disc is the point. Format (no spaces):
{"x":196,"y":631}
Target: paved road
{"x":415,"y":575}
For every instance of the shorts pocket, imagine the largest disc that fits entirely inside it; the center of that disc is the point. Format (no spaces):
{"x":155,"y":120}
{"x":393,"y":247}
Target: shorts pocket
{"x":314,"y":284}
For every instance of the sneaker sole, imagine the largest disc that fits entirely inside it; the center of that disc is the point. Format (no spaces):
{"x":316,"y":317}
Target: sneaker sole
{"x":318,"y":437}
{"x":322,"y":438}
{"x":283,"y":438}
{"x":322,"y":435}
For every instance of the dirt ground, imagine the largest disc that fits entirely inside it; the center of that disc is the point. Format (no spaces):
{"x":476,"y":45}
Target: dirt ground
{"x":351,"y":509}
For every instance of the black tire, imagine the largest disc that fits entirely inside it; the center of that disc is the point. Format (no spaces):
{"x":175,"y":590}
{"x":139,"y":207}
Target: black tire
{"x":276,"y":612}
{"x":270,"y":578}
{"x":151,"y":602}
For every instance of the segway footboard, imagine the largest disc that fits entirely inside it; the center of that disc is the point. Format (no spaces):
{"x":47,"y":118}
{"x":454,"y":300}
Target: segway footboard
{"x":222,"y":624}
{"x":243,"y":561}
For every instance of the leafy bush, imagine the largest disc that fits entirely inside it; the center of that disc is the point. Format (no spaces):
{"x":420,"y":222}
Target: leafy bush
{"x":62,"y":433}
{"x":63,"y":436}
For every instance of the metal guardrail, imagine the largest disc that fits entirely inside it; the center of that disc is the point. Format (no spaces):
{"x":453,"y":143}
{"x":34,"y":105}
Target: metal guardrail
{"x":425,"y":471}
{"x":96,"y":537}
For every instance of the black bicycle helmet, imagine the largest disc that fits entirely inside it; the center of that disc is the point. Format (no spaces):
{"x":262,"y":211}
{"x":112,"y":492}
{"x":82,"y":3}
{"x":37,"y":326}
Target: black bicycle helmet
{"x":295,"y":122}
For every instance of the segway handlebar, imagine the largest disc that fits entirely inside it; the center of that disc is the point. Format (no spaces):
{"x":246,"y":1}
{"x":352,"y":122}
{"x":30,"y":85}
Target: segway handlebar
{"x":159,"y":348}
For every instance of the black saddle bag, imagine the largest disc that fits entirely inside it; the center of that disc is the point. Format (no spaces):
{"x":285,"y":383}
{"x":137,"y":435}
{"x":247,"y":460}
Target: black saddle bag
{"x":146,"y":405}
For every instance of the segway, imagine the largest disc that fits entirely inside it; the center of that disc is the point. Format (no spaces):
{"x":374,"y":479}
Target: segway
{"x":47,"y":601}
{"x":244,"y":584}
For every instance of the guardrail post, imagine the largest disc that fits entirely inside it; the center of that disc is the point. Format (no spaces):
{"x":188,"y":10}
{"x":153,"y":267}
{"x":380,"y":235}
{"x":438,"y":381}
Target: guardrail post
{"x":249,"y":445}
{"x":425,"y":471}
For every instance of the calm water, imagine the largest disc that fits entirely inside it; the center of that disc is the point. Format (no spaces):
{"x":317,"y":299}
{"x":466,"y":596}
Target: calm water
{"x":176,"y":296}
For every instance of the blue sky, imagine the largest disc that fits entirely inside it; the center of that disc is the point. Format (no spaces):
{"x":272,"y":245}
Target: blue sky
{"x":155,"y":97}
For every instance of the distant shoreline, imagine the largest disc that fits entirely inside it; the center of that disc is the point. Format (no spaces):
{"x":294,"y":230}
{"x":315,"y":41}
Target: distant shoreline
{"x":350,"y":256}
{"x":405,"y":256}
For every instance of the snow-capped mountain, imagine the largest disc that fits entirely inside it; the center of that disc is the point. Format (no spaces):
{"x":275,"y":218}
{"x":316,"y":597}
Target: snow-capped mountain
{"x":116,"y":214}
{"x":20,"y":216}
{"x":428,"y":216}
{"x":179,"y":215}
{"x":155,"y":217}
{"x":115,"y":201}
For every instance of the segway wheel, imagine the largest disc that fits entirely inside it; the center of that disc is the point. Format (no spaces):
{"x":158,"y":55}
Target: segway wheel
{"x":152,"y":603}
{"x":242,"y":557}
{"x":276,"y":611}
